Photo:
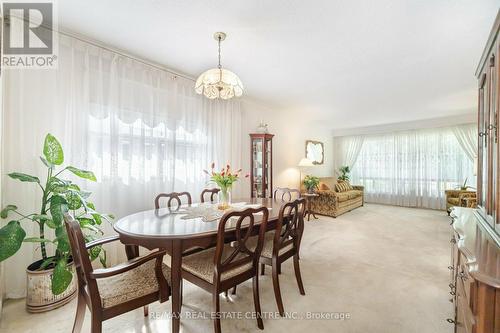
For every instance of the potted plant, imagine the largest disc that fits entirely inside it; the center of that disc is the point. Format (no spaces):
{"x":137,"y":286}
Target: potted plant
{"x":224,"y":180}
{"x":311,"y":183}
{"x":344,"y":173}
{"x":50,"y":279}
{"x":464,"y":186}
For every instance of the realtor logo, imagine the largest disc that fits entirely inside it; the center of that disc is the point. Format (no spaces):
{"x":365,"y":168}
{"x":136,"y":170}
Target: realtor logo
{"x":28,"y":39}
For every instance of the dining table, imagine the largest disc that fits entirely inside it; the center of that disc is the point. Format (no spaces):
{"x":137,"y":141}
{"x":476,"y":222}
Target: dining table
{"x":177,"y":230}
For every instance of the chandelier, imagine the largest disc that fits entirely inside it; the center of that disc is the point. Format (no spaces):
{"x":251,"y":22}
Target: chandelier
{"x":219,"y":82}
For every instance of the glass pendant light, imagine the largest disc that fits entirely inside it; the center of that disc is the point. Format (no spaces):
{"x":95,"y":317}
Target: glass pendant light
{"x":219,"y":82}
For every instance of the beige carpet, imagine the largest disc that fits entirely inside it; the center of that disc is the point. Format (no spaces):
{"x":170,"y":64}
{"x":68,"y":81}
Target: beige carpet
{"x":381,"y":268}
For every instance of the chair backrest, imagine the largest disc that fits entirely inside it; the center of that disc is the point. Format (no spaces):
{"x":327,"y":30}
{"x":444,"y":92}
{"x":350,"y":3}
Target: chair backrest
{"x":174,"y":196}
{"x":290,"y":225}
{"x":243,"y":253}
{"x":80,"y":256}
{"x":213,"y":192}
{"x":285,"y":193}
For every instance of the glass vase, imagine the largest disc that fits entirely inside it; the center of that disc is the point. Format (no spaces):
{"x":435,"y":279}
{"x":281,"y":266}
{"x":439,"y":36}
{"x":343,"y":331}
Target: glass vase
{"x":224,"y":197}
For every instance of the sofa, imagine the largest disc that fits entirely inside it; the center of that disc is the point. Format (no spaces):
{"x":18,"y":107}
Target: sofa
{"x":460,"y":198}
{"x":332,"y":203}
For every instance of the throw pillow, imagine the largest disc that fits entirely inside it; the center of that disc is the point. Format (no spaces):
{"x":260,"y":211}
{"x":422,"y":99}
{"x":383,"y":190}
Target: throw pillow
{"x":324,"y":187}
{"x":343,"y":186}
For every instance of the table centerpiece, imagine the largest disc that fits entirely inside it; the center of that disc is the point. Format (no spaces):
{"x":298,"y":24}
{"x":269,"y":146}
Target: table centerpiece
{"x":224,"y":179}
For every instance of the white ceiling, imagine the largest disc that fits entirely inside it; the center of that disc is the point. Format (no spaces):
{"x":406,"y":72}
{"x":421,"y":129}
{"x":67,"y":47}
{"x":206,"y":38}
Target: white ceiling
{"x":347,"y":63}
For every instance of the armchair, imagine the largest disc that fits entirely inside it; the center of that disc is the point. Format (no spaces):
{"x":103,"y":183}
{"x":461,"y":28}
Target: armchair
{"x":109,"y":292}
{"x":460,"y":198}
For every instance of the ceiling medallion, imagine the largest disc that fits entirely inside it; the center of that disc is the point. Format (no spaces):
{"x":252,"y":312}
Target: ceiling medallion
{"x":219,"y":82}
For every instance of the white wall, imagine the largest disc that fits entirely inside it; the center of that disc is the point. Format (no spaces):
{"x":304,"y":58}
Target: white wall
{"x":459,"y":119}
{"x":291,"y":130}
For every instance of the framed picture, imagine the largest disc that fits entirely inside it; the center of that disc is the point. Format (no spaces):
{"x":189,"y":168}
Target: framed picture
{"x":315,"y":151}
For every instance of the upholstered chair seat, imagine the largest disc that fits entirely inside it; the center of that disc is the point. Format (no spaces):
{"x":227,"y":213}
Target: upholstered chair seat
{"x":201,"y":264}
{"x":267,"y":250}
{"x":130,"y":285}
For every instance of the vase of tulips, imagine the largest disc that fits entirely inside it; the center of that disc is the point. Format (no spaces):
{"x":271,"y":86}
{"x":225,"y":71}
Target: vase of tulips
{"x":224,"y":179}
{"x":224,"y":198}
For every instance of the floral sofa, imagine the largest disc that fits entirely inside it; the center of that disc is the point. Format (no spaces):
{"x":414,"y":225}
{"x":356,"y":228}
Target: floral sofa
{"x":333,"y":203}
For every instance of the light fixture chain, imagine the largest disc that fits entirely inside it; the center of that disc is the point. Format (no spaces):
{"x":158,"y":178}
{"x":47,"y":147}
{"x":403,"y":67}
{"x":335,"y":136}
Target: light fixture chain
{"x":219,"y":53}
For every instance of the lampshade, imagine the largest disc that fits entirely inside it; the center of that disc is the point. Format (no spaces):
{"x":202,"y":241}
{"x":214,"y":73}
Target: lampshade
{"x":219,"y":83}
{"x":305,"y":162}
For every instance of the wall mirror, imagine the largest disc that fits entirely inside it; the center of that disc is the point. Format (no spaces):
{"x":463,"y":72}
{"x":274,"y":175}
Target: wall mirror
{"x":315,"y":151}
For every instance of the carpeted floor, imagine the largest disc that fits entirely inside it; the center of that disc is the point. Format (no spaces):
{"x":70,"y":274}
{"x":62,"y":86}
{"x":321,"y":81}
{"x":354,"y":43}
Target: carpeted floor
{"x":376,"y":269}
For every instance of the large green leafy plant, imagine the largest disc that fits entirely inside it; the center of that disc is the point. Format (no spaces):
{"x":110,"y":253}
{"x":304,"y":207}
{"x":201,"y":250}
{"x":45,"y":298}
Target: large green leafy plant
{"x":58,"y":196}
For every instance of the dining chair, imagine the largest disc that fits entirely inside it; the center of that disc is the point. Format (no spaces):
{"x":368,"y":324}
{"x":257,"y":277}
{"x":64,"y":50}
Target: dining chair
{"x":213,"y":192}
{"x":285,"y":192}
{"x":173,"y":196}
{"x":283,"y":244}
{"x":228,"y":264}
{"x":109,"y":292}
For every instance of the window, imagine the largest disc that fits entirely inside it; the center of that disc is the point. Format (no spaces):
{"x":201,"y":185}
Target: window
{"x":412,"y":168}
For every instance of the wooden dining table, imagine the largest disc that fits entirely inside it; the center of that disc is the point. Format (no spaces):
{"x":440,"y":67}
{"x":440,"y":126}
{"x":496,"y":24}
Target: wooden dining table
{"x":165,"y":229}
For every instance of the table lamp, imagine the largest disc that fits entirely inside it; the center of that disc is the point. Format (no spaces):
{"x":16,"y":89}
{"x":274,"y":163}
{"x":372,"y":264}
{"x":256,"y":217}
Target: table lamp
{"x":304,"y":163}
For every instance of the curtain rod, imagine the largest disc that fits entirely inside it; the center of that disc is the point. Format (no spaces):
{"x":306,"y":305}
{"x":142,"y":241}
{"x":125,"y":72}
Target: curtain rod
{"x":122,"y":53}
{"x":101,"y":45}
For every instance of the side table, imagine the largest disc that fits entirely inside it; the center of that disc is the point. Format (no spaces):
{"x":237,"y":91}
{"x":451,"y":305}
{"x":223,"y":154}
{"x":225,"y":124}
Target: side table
{"x":309,"y":197}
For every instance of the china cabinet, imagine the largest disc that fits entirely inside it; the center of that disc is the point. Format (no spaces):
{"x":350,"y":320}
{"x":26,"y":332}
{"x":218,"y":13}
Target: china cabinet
{"x":488,"y":75}
{"x":475,"y":234}
{"x":261,"y":169}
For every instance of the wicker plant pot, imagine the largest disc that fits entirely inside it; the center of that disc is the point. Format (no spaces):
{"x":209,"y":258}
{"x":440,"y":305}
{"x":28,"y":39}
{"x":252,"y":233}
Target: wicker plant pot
{"x":39,"y":296}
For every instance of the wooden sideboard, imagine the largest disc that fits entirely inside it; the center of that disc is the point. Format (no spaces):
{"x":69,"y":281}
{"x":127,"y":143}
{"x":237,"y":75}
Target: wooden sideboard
{"x":474,"y":273}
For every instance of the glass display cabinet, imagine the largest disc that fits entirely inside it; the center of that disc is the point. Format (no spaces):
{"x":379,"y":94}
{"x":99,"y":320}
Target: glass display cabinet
{"x":261,"y":169}
{"x":488,"y":182}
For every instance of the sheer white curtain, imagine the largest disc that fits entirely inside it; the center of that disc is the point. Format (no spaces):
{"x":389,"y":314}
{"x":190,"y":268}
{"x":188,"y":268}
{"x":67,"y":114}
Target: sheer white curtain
{"x":411,"y":168}
{"x":140,"y":129}
{"x":467,"y":138}
{"x":347,"y":150}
